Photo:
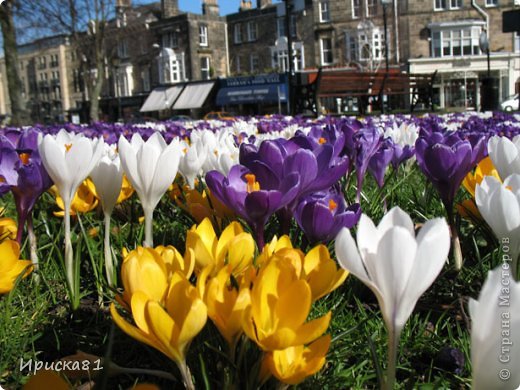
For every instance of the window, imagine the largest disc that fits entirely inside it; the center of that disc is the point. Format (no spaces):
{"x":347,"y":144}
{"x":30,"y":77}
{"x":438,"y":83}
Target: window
{"x":205,"y":72}
{"x":280,"y":26}
{"x":171,"y":67}
{"x":326,"y":51}
{"x":203,"y":35}
{"x":42,"y":62}
{"x":448,"y":41}
{"x":145,"y":79}
{"x":170,"y":39}
{"x":455,"y":4}
{"x":517,"y":42}
{"x":254,"y":62}
{"x":356,"y":9}
{"x":238,"y":65}
{"x":439,"y":5}
{"x":77,"y":80}
{"x":324,"y":11}
{"x":54,"y":61}
{"x":371,"y":7}
{"x":251,"y":31}
{"x":280,"y":57}
{"x":491,"y":3}
{"x":237,"y":33}
{"x":122,"y":49}
{"x":365,"y":44}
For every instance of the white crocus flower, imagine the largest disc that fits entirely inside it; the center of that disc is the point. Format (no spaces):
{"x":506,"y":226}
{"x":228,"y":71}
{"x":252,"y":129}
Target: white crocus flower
{"x":151,"y":167}
{"x":193,"y":158}
{"x":505,"y":155}
{"x":69,"y":158}
{"x":397,"y":266}
{"x":495,"y":336}
{"x":499,"y":205}
{"x":107,"y":176}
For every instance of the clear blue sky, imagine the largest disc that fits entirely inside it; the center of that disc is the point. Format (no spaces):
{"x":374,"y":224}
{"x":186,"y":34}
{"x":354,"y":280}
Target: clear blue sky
{"x":226,"y":6}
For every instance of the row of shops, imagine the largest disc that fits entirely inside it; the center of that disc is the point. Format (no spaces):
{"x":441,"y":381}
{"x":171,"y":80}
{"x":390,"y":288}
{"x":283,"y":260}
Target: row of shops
{"x":457,"y":86}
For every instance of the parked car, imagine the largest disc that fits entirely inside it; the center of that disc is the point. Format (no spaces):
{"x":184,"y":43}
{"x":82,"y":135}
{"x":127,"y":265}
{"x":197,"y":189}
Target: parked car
{"x":510,"y":104}
{"x":219,"y":115}
{"x":180,"y":118}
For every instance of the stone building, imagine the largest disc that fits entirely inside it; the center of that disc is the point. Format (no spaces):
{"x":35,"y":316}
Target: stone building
{"x":51,"y":83}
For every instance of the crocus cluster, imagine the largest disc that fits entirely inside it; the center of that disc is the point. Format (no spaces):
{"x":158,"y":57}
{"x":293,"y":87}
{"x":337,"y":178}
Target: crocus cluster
{"x":243,"y":295}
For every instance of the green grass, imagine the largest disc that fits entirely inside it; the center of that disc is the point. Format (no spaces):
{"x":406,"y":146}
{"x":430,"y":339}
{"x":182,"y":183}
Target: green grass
{"x":36,"y":322}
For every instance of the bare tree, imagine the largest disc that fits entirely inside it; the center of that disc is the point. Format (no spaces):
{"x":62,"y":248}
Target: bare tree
{"x":14,"y":84}
{"x":85,"y":21}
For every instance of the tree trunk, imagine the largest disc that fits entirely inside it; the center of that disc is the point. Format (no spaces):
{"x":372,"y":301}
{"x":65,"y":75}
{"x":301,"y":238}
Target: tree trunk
{"x":14,"y":84}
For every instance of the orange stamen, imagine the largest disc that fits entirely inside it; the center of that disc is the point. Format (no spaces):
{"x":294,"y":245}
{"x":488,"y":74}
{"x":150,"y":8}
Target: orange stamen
{"x":24,"y":158}
{"x":252,"y":184}
{"x":322,"y":141}
{"x":332,"y":205}
{"x":68,"y":146}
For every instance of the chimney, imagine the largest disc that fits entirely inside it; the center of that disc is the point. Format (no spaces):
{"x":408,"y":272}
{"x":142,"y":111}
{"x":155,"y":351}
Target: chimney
{"x":263,"y":3}
{"x":169,"y":8}
{"x":210,"y":7}
{"x":245,"y":5}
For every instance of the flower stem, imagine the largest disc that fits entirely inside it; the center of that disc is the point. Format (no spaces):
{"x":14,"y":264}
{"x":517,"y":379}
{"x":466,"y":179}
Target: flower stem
{"x":455,"y":241}
{"x":109,"y":265}
{"x":33,"y":245}
{"x":186,"y":375}
{"x":393,"y":342}
{"x":259,"y":235}
{"x":148,"y":231}
{"x":69,"y":256}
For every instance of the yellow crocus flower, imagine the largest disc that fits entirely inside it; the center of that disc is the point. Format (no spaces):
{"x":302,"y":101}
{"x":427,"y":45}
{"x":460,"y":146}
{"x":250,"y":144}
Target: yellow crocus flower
{"x":10,"y":265}
{"x":8,"y":228}
{"x":321,"y":272}
{"x":233,"y":247}
{"x":84,"y":200}
{"x":484,"y":168}
{"x":280,"y":305}
{"x":292,"y":365}
{"x":168,"y":325}
{"x":226,"y":304}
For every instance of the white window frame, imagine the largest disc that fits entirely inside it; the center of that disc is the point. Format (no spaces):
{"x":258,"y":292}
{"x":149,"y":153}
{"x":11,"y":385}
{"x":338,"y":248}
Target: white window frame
{"x":203,"y":35}
{"x":440,"y":5}
{"x":356,"y":9}
{"x":491,"y":3}
{"x":122,"y":48}
{"x":170,"y":39}
{"x":456,"y":4}
{"x":324,"y":11}
{"x":451,"y":41}
{"x":280,"y":27}
{"x":280,"y":57}
{"x":371,"y":5}
{"x":205,"y":68}
{"x":252,"y":32}
{"x":323,"y":51}
{"x":254,"y":62}
{"x":237,"y":33}
{"x":171,"y":67}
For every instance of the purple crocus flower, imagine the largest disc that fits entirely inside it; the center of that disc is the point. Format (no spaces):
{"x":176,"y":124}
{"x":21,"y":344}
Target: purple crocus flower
{"x":445,"y":159}
{"x":368,"y":142}
{"x":380,"y":161}
{"x":254,"y":197}
{"x":28,"y":178}
{"x":401,"y":154}
{"x":322,"y":215}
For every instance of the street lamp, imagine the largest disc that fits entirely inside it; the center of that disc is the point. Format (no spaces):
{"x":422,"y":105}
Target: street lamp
{"x":385,"y":4}
{"x":483,"y":42}
{"x":489,"y":89}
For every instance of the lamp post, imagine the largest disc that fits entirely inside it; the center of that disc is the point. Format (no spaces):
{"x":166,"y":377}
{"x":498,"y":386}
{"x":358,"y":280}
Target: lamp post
{"x":489,"y":88}
{"x":483,"y":42}
{"x":290,"y":70}
{"x":385,"y":23}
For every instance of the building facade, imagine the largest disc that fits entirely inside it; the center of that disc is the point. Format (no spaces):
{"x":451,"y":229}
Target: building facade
{"x":159,"y":45}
